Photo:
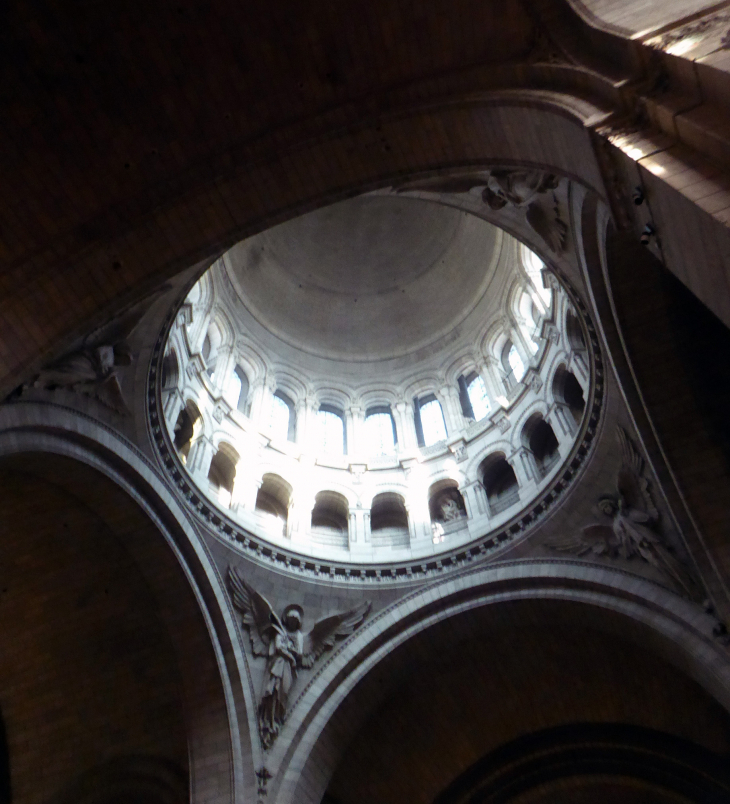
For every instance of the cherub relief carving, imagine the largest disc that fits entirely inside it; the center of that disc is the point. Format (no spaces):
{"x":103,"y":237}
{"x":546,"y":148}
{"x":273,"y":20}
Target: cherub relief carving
{"x":285,"y":646}
{"x":521,"y":188}
{"x":635,"y":524}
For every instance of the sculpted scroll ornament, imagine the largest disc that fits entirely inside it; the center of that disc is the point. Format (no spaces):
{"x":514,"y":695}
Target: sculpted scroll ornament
{"x":286,"y":648}
{"x":635,"y":530}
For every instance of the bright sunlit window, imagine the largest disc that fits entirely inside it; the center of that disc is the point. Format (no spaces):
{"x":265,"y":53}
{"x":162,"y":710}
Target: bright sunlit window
{"x":432,"y":422}
{"x":534,"y":265}
{"x":331,"y":431}
{"x":515,"y":363}
{"x":380,"y":433}
{"x":478,"y":397}
{"x":280,"y":417}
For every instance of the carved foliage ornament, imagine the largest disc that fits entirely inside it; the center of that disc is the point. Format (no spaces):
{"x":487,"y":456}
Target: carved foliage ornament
{"x":635,"y":528}
{"x":286,"y":647}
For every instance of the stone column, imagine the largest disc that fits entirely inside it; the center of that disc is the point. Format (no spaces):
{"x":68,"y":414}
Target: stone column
{"x":475,"y":500}
{"x":489,"y":371}
{"x":199,"y":461}
{"x":405,"y":425}
{"x":455,"y":421}
{"x":172,"y":403}
{"x":355,"y":421}
{"x":258,"y":392}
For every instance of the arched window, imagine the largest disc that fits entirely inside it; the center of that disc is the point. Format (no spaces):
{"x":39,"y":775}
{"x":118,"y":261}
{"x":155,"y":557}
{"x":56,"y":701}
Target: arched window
{"x":574,"y":331}
{"x":429,"y":421}
{"x":272,"y":503}
{"x":331,"y":425}
{"x":330,"y":519}
{"x":500,"y":483}
{"x":512,"y":365}
{"x":170,"y":371}
{"x":380,"y":431}
{"x":222,"y":472}
{"x":282,"y":421}
{"x":389,"y":521}
{"x":476,"y":392}
{"x":186,"y":429}
{"x":238,"y":390}
{"x":534,"y":267}
{"x":530,"y":318}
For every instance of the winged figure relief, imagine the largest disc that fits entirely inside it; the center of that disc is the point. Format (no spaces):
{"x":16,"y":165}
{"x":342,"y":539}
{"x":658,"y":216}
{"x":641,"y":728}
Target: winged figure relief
{"x":634,"y":531}
{"x":509,"y":187}
{"x":92,"y":368}
{"x":286,"y":647}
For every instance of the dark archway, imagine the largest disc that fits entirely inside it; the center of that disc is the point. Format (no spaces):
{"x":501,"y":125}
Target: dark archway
{"x":586,"y":762}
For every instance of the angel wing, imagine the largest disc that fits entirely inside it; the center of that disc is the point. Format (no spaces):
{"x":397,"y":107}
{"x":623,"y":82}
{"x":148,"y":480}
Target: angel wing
{"x":548,"y":226}
{"x":258,"y":616}
{"x":325,"y":632}
{"x":109,"y":393}
{"x":597,"y":539}
{"x":632,"y":486}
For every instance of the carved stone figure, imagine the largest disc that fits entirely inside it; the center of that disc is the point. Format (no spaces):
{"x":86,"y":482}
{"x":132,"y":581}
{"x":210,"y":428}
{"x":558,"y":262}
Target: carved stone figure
{"x":92,"y":368}
{"x":285,"y":646}
{"x":634,"y":530}
{"x":450,"y":510}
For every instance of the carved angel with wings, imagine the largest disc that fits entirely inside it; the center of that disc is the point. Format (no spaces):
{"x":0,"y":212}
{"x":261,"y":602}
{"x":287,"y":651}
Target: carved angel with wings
{"x":285,"y":646}
{"x":634,"y":523}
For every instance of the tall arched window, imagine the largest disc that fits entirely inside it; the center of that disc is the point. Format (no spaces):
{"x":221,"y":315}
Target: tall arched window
{"x":478,"y":398}
{"x":512,"y":364}
{"x":331,"y":425}
{"x":429,"y":421}
{"x":380,"y":430}
{"x":282,"y":421}
{"x":239,"y":389}
{"x":534,"y":267}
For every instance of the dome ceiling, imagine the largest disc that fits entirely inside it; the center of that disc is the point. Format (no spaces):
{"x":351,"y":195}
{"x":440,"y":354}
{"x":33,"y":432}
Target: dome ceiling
{"x":368,"y":279}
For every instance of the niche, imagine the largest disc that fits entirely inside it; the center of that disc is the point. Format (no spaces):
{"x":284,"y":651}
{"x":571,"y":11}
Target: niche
{"x":222,"y":472}
{"x":330,"y":517}
{"x":389,"y":520}
{"x":500,"y":483}
{"x":272,"y":503}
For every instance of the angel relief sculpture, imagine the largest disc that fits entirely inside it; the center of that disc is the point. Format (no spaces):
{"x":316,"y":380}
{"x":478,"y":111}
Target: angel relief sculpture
{"x":635,"y":529}
{"x":285,"y":646}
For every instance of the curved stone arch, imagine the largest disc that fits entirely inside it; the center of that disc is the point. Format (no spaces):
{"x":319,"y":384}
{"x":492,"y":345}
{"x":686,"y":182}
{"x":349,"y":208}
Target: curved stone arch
{"x":289,"y":383}
{"x":249,"y":357}
{"x":183,"y":563}
{"x":386,"y":487}
{"x":677,"y":630}
{"x":283,"y":470}
{"x":332,"y":395}
{"x":502,"y":446}
{"x":464,"y":363}
{"x":428,"y":383}
{"x":373,"y":397}
{"x":326,"y":484}
{"x":537,"y":406}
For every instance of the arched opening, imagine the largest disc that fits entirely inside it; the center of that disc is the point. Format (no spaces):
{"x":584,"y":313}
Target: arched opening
{"x":380,"y":430}
{"x":574,"y":331}
{"x":568,"y":391}
{"x":500,"y":483}
{"x":539,"y":437}
{"x":187,"y":429}
{"x":330,"y":519}
{"x":170,"y":371}
{"x":272,"y":503}
{"x":447,"y":509}
{"x":222,"y":472}
{"x":389,"y":520}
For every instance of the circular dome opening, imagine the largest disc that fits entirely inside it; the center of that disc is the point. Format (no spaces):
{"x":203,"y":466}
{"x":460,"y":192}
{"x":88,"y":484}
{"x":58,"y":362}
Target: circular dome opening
{"x":379,"y":381}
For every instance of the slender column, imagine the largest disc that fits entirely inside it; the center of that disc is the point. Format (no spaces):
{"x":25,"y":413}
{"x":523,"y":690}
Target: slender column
{"x":353,"y":525}
{"x":355,"y":419}
{"x":475,"y":499}
{"x":455,"y":421}
{"x":405,"y":425}
{"x":172,"y":406}
{"x":258,"y":393}
{"x":199,"y":462}
{"x":520,"y":342}
{"x":489,"y":371}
